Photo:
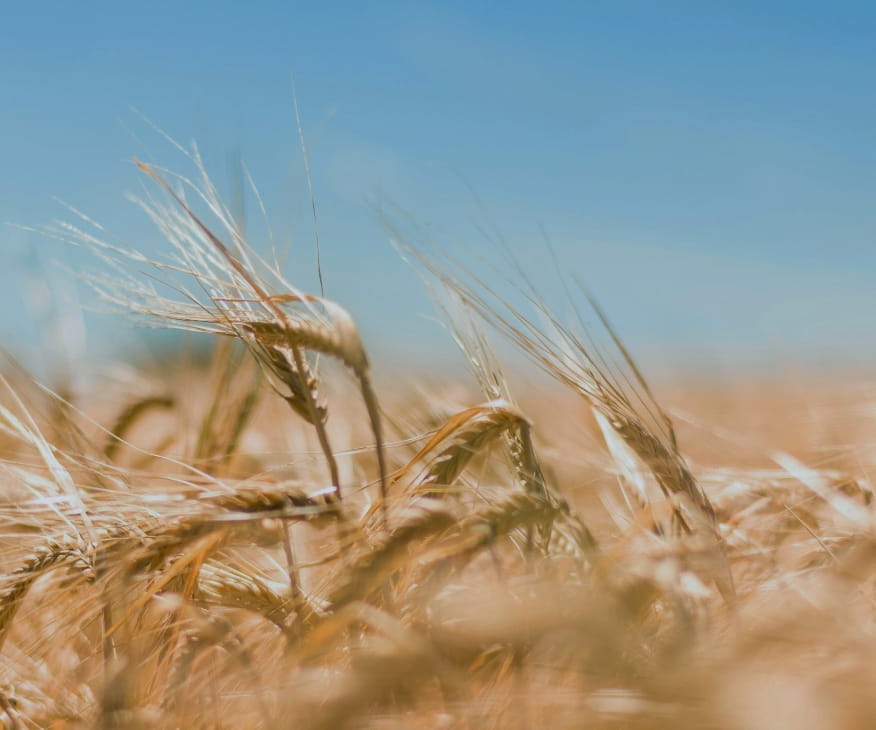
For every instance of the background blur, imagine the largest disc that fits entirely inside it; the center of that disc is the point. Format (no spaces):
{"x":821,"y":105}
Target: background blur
{"x":707,"y":169}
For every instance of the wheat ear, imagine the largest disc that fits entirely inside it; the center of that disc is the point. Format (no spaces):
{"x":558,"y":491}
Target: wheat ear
{"x":68,"y":550}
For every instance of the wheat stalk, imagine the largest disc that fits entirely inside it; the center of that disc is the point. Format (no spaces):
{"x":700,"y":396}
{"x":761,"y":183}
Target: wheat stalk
{"x":66,"y":550}
{"x":563,"y":355}
{"x":184,"y":601}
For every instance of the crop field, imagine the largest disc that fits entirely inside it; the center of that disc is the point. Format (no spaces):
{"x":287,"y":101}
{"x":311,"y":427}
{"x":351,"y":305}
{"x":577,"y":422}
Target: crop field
{"x":274,"y":535}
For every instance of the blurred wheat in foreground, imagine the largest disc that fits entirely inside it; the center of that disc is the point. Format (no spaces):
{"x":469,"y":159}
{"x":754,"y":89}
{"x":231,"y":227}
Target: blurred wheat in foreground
{"x":266,"y":540}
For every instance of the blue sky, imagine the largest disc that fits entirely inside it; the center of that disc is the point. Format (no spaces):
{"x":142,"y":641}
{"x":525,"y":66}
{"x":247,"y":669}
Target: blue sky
{"x":708,"y":169}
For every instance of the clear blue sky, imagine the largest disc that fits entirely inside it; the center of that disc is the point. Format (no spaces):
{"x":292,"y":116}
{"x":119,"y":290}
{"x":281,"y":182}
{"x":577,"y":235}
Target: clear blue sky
{"x":709,"y":169}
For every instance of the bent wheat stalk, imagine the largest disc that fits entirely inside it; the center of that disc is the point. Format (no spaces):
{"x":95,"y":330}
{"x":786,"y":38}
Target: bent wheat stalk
{"x":128,"y":417}
{"x":287,"y":323}
{"x":562,"y":354}
{"x":485,"y":366}
{"x":277,"y":327}
{"x":462,"y":436}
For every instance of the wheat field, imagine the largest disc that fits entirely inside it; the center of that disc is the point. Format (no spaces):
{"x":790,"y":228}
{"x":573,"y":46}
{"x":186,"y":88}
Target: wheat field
{"x":271,"y":536}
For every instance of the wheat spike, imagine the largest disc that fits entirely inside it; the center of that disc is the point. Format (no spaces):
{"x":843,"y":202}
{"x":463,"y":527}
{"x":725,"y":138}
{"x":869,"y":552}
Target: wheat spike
{"x":67,"y":550}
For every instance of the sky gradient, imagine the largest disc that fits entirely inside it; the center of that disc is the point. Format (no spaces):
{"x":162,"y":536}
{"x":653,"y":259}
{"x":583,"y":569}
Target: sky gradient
{"x":707,"y":169}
